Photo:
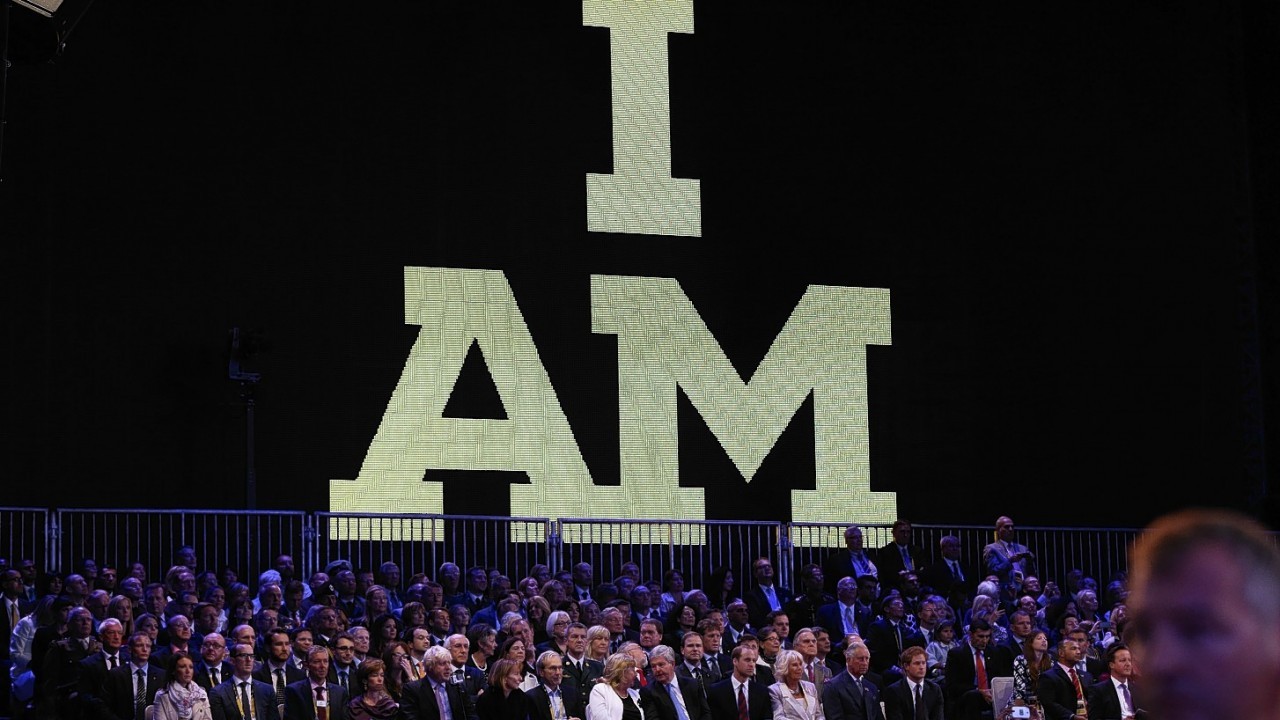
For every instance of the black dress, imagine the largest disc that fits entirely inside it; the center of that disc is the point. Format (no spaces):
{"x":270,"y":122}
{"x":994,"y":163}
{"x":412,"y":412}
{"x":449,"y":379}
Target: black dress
{"x":493,"y":706}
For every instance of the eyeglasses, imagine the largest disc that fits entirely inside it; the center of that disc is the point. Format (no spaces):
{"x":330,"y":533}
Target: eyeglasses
{"x":241,"y":656}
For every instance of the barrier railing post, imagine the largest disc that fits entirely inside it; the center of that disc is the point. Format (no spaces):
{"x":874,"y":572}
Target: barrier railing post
{"x":53,"y":541}
{"x":554,"y":546}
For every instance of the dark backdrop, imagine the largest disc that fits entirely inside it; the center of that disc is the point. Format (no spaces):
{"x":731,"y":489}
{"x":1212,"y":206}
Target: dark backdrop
{"x":1073,"y":209}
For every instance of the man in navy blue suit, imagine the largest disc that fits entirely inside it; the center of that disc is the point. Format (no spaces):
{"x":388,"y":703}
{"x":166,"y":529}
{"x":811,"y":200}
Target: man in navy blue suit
{"x":852,"y":695}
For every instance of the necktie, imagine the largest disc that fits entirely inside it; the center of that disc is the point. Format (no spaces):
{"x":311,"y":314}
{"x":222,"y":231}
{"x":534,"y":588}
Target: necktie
{"x":140,"y":696}
{"x":921,"y":713}
{"x":1075,"y":680}
{"x":115,"y":662}
{"x":643,"y":681}
{"x":697,"y":675}
{"x":906,"y":559}
{"x":772,"y":597}
{"x":322,"y":711}
{"x":743,"y":714}
{"x":955,"y":570}
{"x":441,"y":702}
{"x":811,"y":673}
{"x":342,"y":680}
{"x":13,"y":615}
{"x":980,"y":669}
{"x":1128,"y":699}
{"x":557,"y":705}
{"x":280,"y":686}
{"x":850,"y":624}
{"x":213,"y":677}
{"x":246,"y":705}
{"x":897,"y":633}
{"x":459,"y":675}
{"x":861,"y":689}
{"x":678,"y":701}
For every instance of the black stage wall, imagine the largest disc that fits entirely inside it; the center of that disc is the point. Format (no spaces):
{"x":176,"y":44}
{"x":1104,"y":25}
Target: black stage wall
{"x":1061,"y":202}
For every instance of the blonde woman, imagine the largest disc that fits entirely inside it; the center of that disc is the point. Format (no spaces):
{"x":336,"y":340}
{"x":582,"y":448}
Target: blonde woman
{"x":613,"y":698}
{"x":792,"y":697}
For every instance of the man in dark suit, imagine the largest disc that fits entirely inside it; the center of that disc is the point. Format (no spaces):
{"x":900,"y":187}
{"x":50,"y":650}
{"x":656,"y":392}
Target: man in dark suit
{"x":279,"y":671}
{"x":765,"y":597}
{"x":851,"y":695}
{"x":852,"y":611}
{"x":723,"y":698}
{"x":951,"y":577}
{"x":469,"y":678}
{"x":94,"y":669}
{"x":419,"y":699}
{"x":212,"y":667}
{"x":1061,"y":690}
{"x":303,"y":698}
{"x":117,"y":701}
{"x":1089,"y":668}
{"x":230,"y":699}
{"x":890,"y":635}
{"x":60,"y":669}
{"x":342,"y":667}
{"x":660,"y":697}
{"x":544,"y":699}
{"x":970,"y":667}
{"x":898,"y":557}
{"x":913,"y":696}
{"x":854,"y":561}
{"x":579,"y":671}
{"x":1116,"y":697}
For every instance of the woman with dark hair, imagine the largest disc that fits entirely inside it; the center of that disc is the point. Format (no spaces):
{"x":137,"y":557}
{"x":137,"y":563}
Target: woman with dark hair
{"x":673,"y":591}
{"x":504,"y":700}
{"x":395,"y":660}
{"x":216,"y":597}
{"x":181,"y":698}
{"x":377,"y":602}
{"x":1029,"y":666}
{"x":412,"y":615}
{"x":514,"y":649}
{"x":149,"y":624}
{"x":375,"y":703}
{"x":484,"y":643}
{"x":49,"y":584}
{"x":383,"y":630}
{"x":682,"y":619}
{"x":539,"y":610}
{"x":721,"y":589}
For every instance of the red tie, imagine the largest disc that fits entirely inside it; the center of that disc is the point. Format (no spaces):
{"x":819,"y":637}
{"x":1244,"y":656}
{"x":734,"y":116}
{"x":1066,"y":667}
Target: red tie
{"x":811,"y":672}
{"x":1075,"y":680}
{"x":742,"y":703}
{"x":982,"y":670}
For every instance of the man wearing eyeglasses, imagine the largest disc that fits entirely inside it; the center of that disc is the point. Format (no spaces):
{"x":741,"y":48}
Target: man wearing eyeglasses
{"x":240,"y":697}
{"x":213,"y":667}
{"x":342,"y":670}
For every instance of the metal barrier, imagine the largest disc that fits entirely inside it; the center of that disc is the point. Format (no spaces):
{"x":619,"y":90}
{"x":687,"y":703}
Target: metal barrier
{"x":248,"y":541}
{"x":421,"y":543}
{"x":694,"y":547}
{"x":1100,"y":553}
{"x":24,"y":534}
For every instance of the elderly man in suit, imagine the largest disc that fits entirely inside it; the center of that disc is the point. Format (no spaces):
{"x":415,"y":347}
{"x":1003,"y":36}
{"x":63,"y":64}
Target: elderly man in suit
{"x":914,"y":696}
{"x":740,"y":687}
{"x":305,"y":699}
{"x":851,"y":562}
{"x":852,"y":695}
{"x":668,"y":694}
{"x":239,"y":696}
{"x":1005,"y":557}
{"x":124,"y":686}
{"x":552,"y":699}
{"x":420,"y":699}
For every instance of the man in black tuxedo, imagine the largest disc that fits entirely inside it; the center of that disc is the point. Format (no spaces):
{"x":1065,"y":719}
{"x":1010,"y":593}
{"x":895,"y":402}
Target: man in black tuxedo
{"x":901,"y":699}
{"x":303,"y":698}
{"x":1116,"y":698}
{"x":1061,"y":689}
{"x":970,"y":667}
{"x":765,"y":597}
{"x":852,"y":694}
{"x":579,"y":671}
{"x":419,"y":699}
{"x":898,"y":557}
{"x":853,"y":561}
{"x":112,"y":655}
{"x":545,"y":698}
{"x":660,"y":697}
{"x":231,"y":699}
{"x":212,"y":667}
{"x":120,"y":692}
{"x":724,"y":696}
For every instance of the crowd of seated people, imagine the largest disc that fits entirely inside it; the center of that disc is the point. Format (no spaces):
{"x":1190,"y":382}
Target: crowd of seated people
{"x":867,"y":626}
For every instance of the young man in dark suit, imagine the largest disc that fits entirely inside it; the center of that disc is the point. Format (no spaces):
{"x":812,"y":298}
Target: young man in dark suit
{"x":970,"y":667}
{"x":122,"y":686}
{"x":724,"y":696}
{"x":914,"y":696}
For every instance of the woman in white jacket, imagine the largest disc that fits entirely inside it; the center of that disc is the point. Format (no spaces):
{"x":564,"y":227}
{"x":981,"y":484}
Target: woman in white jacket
{"x":613,"y":698}
{"x":181,"y":698}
